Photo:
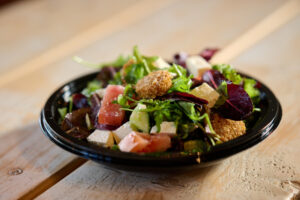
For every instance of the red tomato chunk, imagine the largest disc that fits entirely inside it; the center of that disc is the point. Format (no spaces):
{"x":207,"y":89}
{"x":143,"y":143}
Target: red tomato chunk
{"x":110,"y":113}
{"x":142,"y":142}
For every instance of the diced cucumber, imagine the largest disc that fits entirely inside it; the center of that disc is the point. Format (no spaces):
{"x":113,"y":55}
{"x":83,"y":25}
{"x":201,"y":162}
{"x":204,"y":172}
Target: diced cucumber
{"x":139,"y":120}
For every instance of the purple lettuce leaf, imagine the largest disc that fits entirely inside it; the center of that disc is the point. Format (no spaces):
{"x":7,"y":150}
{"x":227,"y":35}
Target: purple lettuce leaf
{"x":106,"y":127}
{"x":196,"y":82}
{"x":80,"y":101}
{"x":182,"y":96}
{"x":180,"y":58}
{"x":95,"y":107}
{"x":238,"y":105}
{"x":213,"y":78}
{"x":106,"y":74}
{"x":208,"y":53}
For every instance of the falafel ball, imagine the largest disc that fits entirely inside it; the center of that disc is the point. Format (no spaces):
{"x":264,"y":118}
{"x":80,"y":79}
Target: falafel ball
{"x":155,"y":84}
{"x":227,"y":129}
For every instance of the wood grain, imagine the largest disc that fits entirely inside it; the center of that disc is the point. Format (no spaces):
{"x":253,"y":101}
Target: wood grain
{"x":172,"y":25}
{"x":274,"y":21}
{"x":28,"y":152}
{"x":31,"y":27}
{"x":270,"y":170}
{"x":124,"y":18}
{"x":88,"y":180}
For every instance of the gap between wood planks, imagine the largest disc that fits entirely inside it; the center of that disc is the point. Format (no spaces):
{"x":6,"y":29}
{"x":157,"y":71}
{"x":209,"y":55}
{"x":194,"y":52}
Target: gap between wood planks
{"x":268,"y":25}
{"x":53,"y":179}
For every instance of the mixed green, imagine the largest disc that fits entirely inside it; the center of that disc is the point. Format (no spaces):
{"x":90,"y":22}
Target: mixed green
{"x":144,"y":104}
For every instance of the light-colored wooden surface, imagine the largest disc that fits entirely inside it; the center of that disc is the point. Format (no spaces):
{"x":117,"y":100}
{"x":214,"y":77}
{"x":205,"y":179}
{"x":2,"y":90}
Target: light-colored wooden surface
{"x":28,"y":152}
{"x":270,"y":170}
{"x":171,"y":24}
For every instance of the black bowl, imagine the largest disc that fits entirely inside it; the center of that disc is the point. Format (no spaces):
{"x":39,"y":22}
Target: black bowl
{"x":264,"y":124}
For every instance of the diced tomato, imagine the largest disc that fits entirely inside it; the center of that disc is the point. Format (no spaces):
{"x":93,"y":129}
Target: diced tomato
{"x":158,"y":143}
{"x":140,"y":142}
{"x":110,"y":113}
{"x":134,"y":142}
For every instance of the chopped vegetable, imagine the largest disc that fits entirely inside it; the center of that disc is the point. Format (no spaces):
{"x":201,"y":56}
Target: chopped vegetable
{"x":195,"y":64}
{"x":102,"y":138}
{"x":229,"y":73}
{"x":92,"y":86}
{"x":206,"y":92}
{"x":141,"y":142}
{"x":120,"y":61}
{"x":110,"y":113}
{"x":249,"y":86}
{"x":195,"y":146}
{"x":139,"y":104}
{"x":139,"y":120}
{"x":208,"y":53}
{"x":238,"y":105}
{"x":62,"y":112}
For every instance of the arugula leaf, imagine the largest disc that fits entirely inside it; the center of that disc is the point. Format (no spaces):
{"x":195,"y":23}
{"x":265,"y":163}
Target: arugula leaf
{"x":195,"y":146}
{"x":181,"y":83}
{"x":194,"y":115}
{"x":117,"y":80}
{"x":137,"y":54}
{"x":222,"y":90}
{"x":185,"y":128}
{"x":147,"y":61}
{"x":70,"y":104}
{"x":163,"y":111}
{"x":251,"y":90}
{"x":128,"y":94}
{"x":139,"y":67}
{"x":189,"y":110}
{"x":159,"y":111}
{"x":178,"y":70}
{"x":229,"y":73}
{"x":120,"y":61}
{"x":62,"y":112}
{"x":92,"y":86}
{"x":134,"y":73}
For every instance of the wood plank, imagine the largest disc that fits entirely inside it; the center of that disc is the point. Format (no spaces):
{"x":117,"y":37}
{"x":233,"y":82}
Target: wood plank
{"x":174,"y":24}
{"x":270,"y":170}
{"x":31,"y":27}
{"x":24,"y":151}
{"x":274,"y":21}
{"x":121,"y":19}
{"x":273,"y":167}
{"x":27,"y":159}
{"x":32,"y":88}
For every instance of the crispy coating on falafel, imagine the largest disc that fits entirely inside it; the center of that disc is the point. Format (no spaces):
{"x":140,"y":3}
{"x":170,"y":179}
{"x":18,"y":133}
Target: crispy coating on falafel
{"x":227,"y":129}
{"x":155,"y":84}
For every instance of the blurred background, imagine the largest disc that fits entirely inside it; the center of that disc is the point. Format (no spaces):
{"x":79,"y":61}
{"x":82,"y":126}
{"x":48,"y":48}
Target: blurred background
{"x":39,"y":37}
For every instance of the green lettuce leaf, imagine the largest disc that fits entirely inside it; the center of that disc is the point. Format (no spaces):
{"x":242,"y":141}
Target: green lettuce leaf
{"x":182,"y":82}
{"x":119,"y":62}
{"x":62,"y":112}
{"x":229,"y":73}
{"x":249,"y":87}
{"x":91,"y":87}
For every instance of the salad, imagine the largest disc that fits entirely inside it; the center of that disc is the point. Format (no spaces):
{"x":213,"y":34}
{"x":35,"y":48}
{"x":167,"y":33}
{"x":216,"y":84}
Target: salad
{"x":143,"y":104}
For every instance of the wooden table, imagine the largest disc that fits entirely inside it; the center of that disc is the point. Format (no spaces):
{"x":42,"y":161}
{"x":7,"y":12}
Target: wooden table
{"x":38,"y":39}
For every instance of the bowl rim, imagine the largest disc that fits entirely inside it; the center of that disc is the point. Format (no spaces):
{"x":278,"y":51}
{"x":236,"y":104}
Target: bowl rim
{"x":269,"y":122}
